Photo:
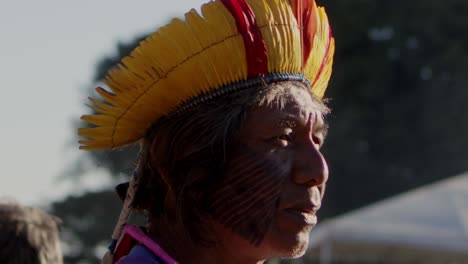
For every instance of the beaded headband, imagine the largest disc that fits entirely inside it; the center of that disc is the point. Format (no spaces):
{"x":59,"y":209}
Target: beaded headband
{"x":232,"y":45}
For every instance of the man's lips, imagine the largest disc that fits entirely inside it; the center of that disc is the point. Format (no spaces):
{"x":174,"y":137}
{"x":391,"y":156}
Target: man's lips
{"x":303,"y":214}
{"x":301,"y":217}
{"x":308,"y":207}
{"x":306,"y":210}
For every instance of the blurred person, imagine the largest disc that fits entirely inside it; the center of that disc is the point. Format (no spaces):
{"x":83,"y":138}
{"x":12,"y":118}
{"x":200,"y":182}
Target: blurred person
{"x":227,"y":108}
{"x":28,"y":235}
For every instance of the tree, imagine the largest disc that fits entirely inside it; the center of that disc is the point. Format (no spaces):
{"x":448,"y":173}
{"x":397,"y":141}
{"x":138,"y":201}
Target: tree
{"x":398,"y":91}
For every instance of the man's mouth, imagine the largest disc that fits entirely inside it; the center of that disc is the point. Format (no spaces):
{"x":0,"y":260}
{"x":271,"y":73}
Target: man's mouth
{"x":302,"y":216}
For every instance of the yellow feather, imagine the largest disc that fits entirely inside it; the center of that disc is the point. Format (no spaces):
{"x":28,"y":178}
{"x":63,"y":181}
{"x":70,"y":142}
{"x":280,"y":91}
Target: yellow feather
{"x":99,"y":120}
{"x":318,"y":53}
{"x":96,"y":132}
{"x":280,"y":33}
{"x":322,"y":83}
{"x":103,"y":108}
{"x":95,"y":144}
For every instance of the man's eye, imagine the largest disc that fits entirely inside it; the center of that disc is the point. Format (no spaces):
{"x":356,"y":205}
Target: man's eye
{"x":319,"y":140}
{"x":285,"y":138}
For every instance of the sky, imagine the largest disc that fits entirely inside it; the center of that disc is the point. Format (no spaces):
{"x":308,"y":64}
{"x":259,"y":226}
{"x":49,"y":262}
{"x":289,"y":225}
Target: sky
{"x":48,"y":51}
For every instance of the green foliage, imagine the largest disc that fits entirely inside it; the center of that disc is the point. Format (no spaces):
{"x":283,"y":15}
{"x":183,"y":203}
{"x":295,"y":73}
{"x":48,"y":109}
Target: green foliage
{"x":398,"y":95}
{"x":88,"y":222}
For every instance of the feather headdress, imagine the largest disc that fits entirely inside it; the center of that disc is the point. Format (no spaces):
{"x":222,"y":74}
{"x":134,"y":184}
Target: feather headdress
{"x":232,"y":44}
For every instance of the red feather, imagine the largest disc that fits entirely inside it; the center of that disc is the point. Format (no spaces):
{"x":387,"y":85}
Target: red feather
{"x":325,"y":59}
{"x":306,"y":17}
{"x":256,"y":53}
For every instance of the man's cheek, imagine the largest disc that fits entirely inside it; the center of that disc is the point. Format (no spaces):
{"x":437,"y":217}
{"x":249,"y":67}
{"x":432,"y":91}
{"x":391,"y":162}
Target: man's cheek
{"x":246,"y":199}
{"x":322,"y":189}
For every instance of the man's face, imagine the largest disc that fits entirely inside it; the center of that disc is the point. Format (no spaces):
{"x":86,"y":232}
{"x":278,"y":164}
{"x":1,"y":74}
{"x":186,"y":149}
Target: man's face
{"x":276,"y":177}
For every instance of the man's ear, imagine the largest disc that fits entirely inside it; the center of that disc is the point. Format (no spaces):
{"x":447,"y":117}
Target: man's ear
{"x":164,"y":174}
{"x":121,"y":190}
{"x":170,"y":199}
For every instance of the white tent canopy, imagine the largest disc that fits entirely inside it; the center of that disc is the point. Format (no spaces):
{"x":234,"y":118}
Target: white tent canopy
{"x":432,"y":218}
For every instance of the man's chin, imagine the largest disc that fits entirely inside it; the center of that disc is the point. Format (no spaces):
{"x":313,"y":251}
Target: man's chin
{"x":293,"y":247}
{"x":299,"y":250}
{"x":294,"y":253}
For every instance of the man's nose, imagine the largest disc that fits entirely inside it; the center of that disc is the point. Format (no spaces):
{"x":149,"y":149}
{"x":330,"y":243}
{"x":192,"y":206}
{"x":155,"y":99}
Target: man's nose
{"x":310,"y":167}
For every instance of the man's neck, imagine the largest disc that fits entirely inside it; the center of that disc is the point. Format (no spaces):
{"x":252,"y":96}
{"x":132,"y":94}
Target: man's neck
{"x":174,"y":239}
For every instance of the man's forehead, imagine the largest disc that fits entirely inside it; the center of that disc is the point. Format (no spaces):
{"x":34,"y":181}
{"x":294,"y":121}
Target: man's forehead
{"x":293,"y":113}
{"x":287,"y":105}
{"x":297,"y":105}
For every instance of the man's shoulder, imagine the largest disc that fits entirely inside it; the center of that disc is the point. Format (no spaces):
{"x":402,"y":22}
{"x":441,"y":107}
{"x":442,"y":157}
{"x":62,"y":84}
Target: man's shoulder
{"x":138,"y":260}
{"x":139,"y":254}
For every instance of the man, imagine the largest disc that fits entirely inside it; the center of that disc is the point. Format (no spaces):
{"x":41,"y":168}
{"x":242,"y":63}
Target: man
{"x":227,"y":108}
{"x":28,"y":235}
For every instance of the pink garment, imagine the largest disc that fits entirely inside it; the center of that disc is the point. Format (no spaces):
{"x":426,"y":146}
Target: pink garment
{"x":134,"y":236}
